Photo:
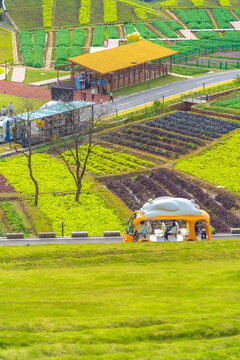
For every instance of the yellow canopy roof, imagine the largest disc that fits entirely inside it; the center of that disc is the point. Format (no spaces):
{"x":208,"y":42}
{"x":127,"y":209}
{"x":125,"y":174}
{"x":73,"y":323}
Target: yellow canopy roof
{"x":122,"y":57}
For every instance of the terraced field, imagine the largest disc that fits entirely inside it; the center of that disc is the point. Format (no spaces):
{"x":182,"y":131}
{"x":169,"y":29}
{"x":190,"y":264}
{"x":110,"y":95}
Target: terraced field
{"x":171,"y":136}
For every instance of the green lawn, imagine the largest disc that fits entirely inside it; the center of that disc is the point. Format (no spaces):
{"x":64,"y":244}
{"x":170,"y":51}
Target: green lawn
{"x":6,"y":46}
{"x":188,"y":70}
{"x":19,"y":101}
{"x":167,"y":79}
{"x":34,"y":75}
{"x":121,"y":301}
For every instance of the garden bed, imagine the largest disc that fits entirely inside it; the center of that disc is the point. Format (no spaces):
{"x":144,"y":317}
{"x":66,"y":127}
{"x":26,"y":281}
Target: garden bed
{"x":170,"y":136}
{"x":135,"y":191}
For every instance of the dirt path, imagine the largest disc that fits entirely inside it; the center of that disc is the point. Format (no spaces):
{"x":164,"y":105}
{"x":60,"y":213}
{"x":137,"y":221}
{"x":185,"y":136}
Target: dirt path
{"x":175,"y":18}
{"x":14,"y":47}
{"x":49,"y":50}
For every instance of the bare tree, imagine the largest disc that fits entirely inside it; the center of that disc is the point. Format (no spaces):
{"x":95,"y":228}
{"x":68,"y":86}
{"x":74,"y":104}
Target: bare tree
{"x":26,"y":129}
{"x":81,"y":132}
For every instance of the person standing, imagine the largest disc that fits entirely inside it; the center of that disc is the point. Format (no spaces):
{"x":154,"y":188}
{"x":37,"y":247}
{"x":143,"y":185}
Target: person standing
{"x":111,"y":96}
{"x":84,"y":96}
{"x":101,"y":100}
{"x":10,"y":109}
{"x":4,"y":111}
{"x":93,"y":93}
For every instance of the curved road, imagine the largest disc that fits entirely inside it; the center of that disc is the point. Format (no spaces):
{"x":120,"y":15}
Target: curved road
{"x":146,"y":96}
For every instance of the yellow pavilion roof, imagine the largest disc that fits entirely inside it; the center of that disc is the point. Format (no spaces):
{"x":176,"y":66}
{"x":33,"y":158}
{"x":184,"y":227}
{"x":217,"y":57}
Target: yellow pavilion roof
{"x":122,"y":57}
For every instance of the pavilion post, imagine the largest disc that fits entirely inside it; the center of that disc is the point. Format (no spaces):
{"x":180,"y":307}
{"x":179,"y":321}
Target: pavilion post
{"x":100,"y":84}
{"x":171,"y":64}
{"x":160,"y":67}
{"x":72,"y":72}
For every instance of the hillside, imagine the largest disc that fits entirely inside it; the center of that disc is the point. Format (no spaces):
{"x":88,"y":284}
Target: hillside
{"x":49,"y":13}
{"x":125,"y":301}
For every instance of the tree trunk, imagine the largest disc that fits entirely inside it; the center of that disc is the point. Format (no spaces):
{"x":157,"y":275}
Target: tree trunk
{"x":79,"y":187}
{"x":33,"y":180}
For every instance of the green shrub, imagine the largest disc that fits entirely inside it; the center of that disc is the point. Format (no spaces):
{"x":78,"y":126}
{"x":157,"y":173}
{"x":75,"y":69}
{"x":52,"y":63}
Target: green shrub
{"x":99,"y":35}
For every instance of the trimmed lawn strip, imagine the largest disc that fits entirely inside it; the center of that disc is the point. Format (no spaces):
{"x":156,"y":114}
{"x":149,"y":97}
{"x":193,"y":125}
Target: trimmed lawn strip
{"x":34,"y":75}
{"x":18,"y":102}
{"x":167,"y":79}
{"x":121,"y":301}
{"x":6,"y":46}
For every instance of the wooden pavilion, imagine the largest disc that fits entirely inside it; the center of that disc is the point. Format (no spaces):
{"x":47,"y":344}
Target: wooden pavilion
{"x":125,"y":65}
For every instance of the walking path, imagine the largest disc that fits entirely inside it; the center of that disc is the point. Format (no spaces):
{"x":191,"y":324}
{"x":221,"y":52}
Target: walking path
{"x":235,"y":24}
{"x":90,"y":240}
{"x":18,"y":74}
{"x":188,"y":34}
{"x":14,"y":47}
{"x":49,"y":50}
{"x":24,"y":90}
{"x":50,"y":81}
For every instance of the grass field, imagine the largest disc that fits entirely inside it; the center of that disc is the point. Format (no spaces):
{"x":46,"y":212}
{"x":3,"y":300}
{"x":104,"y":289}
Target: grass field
{"x":34,"y":75}
{"x":167,"y":79}
{"x":18,"y":102}
{"x":123,"y":301}
{"x":220,"y":164}
{"x":6,"y":46}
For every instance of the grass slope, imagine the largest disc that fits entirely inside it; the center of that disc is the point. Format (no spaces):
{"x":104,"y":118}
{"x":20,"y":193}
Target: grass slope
{"x":6,"y":46}
{"x":120,"y":301}
{"x":27,"y":14}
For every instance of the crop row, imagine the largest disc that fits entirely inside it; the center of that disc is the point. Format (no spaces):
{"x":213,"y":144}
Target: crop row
{"x":141,"y":14}
{"x":173,"y":25}
{"x":13,"y":218}
{"x":219,"y":165}
{"x":32,"y":56}
{"x":99,"y":35}
{"x":165,"y":30}
{"x":26,"y":46}
{"x":195,"y":19}
{"x":199,"y":126}
{"x":135,"y":192}
{"x":63,"y":49}
{"x":145,"y":32}
{"x":38,"y":50}
{"x":5,"y":187}
{"x":109,"y":11}
{"x":233,"y":103}
{"x":84,"y":12}
{"x":47,"y":12}
{"x":105,"y":161}
{"x":223,"y":17}
{"x":171,"y":135}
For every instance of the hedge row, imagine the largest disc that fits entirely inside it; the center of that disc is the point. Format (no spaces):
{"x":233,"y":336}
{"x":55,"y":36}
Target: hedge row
{"x":165,"y":30}
{"x":221,"y":17}
{"x":109,"y":11}
{"x":173,"y":25}
{"x":85,"y":12}
{"x":39,"y":45}
{"x":99,"y":35}
{"x":26,"y":46}
{"x":145,"y":32}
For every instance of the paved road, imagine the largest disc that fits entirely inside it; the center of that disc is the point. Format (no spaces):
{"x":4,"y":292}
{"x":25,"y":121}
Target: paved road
{"x":146,"y":96}
{"x":89,"y":240}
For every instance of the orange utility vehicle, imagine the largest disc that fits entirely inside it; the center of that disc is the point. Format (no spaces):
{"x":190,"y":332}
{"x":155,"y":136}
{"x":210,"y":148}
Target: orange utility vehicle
{"x":165,"y":209}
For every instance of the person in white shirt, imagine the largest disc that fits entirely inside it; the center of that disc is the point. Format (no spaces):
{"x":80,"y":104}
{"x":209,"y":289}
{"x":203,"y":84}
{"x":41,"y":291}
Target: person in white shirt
{"x":93,"y":93}
{"x":145,"y":230}
{"x":173,"y":231}
{"x":10,"y":109}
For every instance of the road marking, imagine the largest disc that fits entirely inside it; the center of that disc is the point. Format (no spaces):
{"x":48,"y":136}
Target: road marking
{"x":162,"y":92}
{"x":128,"y":102}
{"x":202,"y":81}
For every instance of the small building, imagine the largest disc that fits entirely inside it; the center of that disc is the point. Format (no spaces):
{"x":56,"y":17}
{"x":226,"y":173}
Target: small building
{"x":122,"y":66}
